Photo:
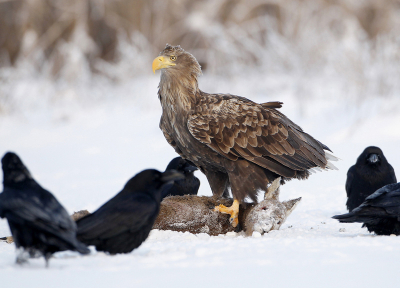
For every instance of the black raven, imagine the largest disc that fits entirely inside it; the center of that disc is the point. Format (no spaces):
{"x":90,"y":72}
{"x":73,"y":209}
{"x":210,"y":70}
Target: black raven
{"x":125,"y":221}
{"x":40,"y":226}
{"x":371,"y":172}
{"x":380,"y":212}
{"x":188,"y":186}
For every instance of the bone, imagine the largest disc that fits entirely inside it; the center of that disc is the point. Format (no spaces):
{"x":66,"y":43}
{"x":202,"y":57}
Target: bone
{"x":78,"y":215}
{"x":273,"y":190}
{"x":7,"y":239}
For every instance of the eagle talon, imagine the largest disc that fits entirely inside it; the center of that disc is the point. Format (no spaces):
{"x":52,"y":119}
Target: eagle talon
{"x":233,"y":211}
{"x":234,"y":221}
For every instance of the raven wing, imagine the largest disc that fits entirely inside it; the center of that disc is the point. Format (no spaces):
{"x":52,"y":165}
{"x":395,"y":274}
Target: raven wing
{"x":127,"y":213}
{"x":349,"y":180}
{"x":385,"y":199}
{"x":392,"y":174}
{"x":38,"y":207}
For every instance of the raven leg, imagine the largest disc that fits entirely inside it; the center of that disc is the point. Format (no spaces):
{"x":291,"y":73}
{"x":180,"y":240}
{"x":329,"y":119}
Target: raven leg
{"x":47,"y":256}
{"x":22,"y":256}
{"x":233,"y":211}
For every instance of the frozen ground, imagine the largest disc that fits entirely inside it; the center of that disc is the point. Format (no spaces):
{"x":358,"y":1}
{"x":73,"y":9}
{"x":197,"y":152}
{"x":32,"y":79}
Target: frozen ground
{"x":85,"y":152}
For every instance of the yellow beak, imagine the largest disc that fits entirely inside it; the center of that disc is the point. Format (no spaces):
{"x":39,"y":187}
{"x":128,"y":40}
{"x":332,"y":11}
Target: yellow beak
{"x":161,"y":62}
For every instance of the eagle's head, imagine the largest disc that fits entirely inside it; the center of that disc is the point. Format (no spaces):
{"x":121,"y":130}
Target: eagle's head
{"x":175,"y":60}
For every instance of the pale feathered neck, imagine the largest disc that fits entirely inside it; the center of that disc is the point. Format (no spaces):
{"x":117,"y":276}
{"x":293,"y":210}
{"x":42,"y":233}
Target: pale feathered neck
{"x":178,"y":87}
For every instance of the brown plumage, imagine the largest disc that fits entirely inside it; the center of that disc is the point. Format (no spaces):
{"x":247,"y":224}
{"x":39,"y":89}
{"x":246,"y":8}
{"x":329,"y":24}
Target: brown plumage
{"x":234,"y":141}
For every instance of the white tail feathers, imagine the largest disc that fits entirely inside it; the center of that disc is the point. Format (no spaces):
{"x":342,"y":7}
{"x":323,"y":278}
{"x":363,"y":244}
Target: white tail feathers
{"x":331,"y":157}
{"x":329,"y":166}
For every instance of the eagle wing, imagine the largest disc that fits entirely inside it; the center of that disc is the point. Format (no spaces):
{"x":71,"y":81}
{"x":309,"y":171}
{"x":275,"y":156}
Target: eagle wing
{"x":236,"y":127}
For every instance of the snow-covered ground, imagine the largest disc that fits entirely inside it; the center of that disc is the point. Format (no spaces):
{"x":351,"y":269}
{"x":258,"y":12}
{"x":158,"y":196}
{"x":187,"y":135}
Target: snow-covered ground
{"x":83,"y":151}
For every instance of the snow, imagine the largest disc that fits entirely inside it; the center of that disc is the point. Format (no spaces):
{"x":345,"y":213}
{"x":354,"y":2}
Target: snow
{"x":83,"y":149}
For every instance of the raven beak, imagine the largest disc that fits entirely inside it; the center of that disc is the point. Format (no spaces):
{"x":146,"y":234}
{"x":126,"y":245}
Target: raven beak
{"x":373,"y":158}
{"x":171,"y":175}
{"x":160,"y":63}
{"x":190,"y":169}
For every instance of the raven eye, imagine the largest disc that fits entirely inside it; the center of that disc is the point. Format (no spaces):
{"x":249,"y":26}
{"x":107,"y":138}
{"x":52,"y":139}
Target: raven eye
{"x":173,"y":58}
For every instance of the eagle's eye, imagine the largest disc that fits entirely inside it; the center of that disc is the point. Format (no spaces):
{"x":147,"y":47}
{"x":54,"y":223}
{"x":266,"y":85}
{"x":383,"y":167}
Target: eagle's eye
{"x":173,"y":58}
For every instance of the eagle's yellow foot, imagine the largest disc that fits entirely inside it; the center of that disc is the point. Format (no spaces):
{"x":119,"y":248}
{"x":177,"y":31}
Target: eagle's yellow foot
{"x":233,"y":211}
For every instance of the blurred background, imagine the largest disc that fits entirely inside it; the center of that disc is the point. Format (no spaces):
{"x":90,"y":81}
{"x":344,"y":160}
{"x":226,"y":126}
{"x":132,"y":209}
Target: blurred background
{"x":78,"y":100}
{"x":353,"y":43}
